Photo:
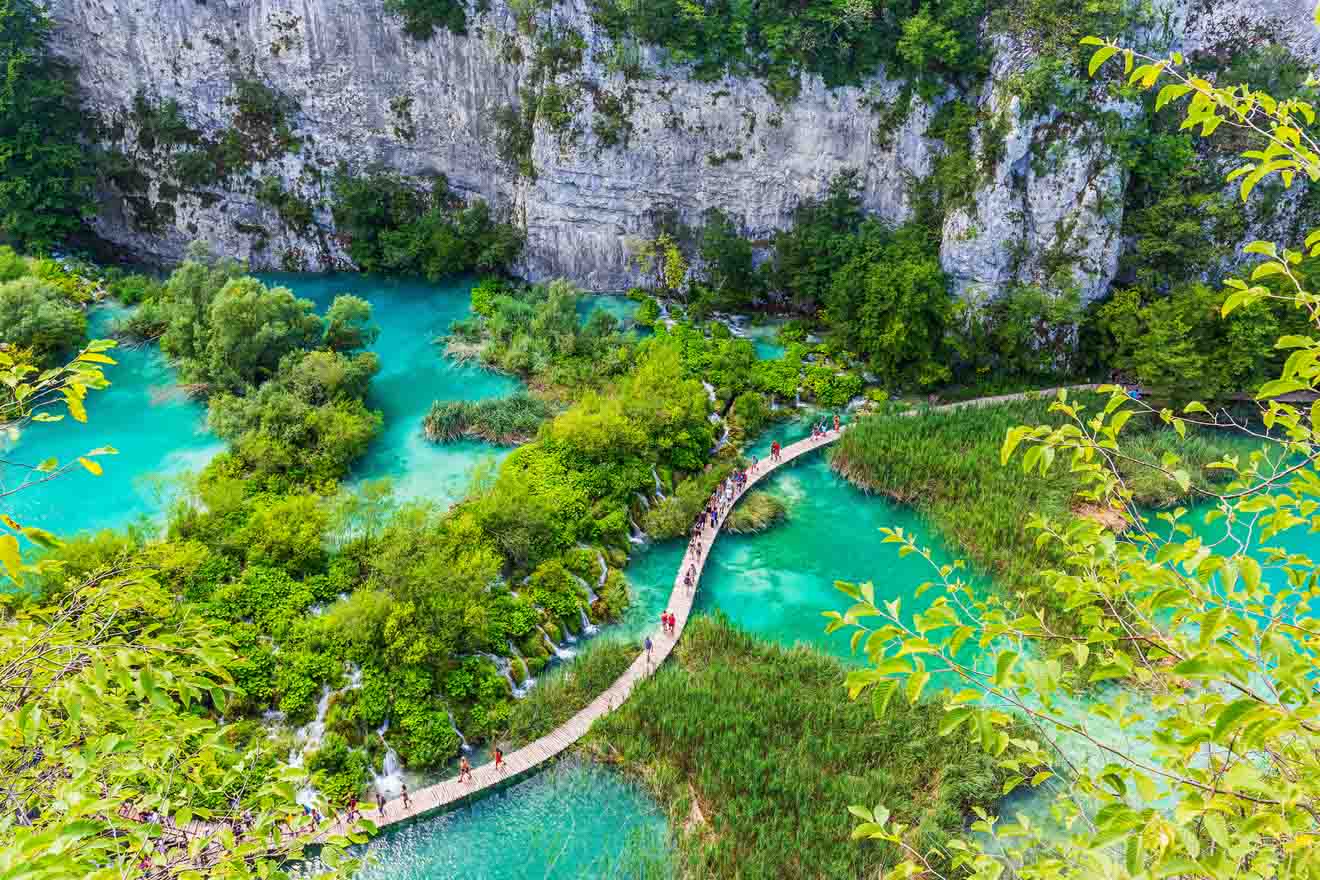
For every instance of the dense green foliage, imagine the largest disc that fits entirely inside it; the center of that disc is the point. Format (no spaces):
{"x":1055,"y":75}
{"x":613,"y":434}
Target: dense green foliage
{"x":36,"y":315}
{"x":1178,"y":345}
{"x":45,"y":174}
{"x":780,"y":41}
{"x":758,"y":736}
{"x":755,"y":512}
{"x":422,"y":17}
{"x":503,"y":420}
{"x":419,"y":228}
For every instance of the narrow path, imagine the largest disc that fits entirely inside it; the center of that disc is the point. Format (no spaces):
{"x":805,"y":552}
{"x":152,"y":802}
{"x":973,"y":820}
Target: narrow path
{"x":442,"y":794}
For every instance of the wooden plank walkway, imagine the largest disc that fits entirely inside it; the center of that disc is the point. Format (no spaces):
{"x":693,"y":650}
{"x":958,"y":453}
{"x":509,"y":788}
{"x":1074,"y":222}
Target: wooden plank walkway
{"x":443,"y":794}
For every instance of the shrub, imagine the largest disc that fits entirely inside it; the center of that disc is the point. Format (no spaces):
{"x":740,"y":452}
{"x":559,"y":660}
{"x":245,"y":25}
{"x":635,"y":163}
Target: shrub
{"x":33,"y":314}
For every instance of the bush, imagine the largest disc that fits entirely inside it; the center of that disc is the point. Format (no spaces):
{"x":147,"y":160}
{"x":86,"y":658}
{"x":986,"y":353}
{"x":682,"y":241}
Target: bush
{"x":505,"y":420}
{"x":422,"y":17}
{"x":33,"y":314}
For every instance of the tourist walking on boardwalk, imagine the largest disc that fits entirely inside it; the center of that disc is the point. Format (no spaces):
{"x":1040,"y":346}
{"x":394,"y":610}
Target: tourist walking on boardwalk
{"x":648,"y":650}
{"x":380,"y":803}
{"x":404,"y":793}
{"x":499,"y":759}
{"x":836,"y":423}
{"x":464,"y":770}
{"x":774,"y":451}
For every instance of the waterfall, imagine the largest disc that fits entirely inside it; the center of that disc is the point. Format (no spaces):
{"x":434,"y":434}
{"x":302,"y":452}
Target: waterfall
{"x":561,"y":653}
{"x":588,"y":628}
{"x":659,"y":489}
{"x":636,"y":535}
{"x":528,"y":681}
{"x":591,"y":594}
{"x":503,"y":665}
{"x":719,"y":444}
{"x":462,"y":740}
{"x":797,"y":399}
{"x":389,"y":782}
{"x":646,"y":505}
{"x":774,"y":403}
{"x":309,"y":736}
{"x":604,"y":570}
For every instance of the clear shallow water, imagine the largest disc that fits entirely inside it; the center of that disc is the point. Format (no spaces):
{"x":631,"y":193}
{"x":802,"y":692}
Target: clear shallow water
{"x":574,"y":820}
{"x":159,"y":433}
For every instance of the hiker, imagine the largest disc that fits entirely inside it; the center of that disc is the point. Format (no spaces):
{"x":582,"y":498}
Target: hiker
{"x":352,"y":808}
{"x":380,"y":803}
{"x":499,"y":759}
{"x":648,"y":650}
{"x":664,"y":621}
{"x":404,"y":794}
{"x":836,"y":423}
{"x":464,"y":770}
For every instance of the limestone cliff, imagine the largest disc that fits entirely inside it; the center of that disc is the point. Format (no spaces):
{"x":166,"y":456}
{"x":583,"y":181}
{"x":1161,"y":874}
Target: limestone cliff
{"x":360,"y":93}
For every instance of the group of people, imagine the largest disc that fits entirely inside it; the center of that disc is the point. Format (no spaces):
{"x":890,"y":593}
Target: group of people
{"x":668,"y":623}
{"x":823,"y":429}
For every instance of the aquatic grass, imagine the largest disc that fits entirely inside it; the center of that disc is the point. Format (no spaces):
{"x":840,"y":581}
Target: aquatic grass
{"x":507,"y":421}
{"x":756,"y":752}
{"x":946,"y":464}
{"x":755,"y":512}
{"x":567,"y":689}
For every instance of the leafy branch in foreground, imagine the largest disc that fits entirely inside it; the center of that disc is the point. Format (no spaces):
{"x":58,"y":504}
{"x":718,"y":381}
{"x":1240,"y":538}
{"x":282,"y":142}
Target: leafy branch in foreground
{"x":110,"y":750}
{"x":29,"y":394}
{"x":1201,"y":762}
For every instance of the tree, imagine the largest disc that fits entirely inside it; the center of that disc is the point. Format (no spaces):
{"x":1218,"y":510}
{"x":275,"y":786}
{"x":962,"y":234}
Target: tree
{"x":1208,"y":770}
{"x":348,"y":325}
{"x":251,"y":327}
{"x":45,"y":176}
{"x":35,"y":315}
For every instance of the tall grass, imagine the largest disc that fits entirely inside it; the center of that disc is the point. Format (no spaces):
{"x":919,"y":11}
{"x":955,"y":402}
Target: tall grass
{"x":773,"y":752}
{"x":566,"y":690}
{"x":755,"y":512}
{"x":946,"y":465}
{"x":504,"y":420}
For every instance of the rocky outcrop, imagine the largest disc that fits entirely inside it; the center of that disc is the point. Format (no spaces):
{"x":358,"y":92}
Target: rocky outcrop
{"x":363,"y":93}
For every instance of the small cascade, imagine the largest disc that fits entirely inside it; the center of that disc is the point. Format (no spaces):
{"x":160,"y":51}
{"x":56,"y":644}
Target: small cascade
{"x":719,"y":444}
{"x":636,"y":535}
{"x":659,"y":489}
{"x":506,"y":670}
{"x":389,"y":782}
{"x":645,"y":502}
{"x":528,"y":681}
{"x":462,"y":740}
{"x":591,"y":594}
{"x":604,"y":570}
{"x":710,"y":390}
{"x":561,"y":653}
{"x":774,"y":403}
{"x":856,"y":403}
{"x":797,"y":400}
{"x":588,"y":628}
{"x":309,"y":736}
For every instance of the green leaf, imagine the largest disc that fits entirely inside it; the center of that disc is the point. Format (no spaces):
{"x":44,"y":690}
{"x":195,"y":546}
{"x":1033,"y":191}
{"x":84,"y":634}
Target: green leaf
{"x":10,"y":557}
{"x":1103,"y":54}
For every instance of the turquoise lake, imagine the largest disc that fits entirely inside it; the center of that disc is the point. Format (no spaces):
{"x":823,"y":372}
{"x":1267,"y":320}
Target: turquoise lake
{"x":574,"y":820}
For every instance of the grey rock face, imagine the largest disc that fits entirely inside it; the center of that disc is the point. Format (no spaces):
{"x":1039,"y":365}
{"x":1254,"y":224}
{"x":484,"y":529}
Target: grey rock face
{"x":367,"y":95}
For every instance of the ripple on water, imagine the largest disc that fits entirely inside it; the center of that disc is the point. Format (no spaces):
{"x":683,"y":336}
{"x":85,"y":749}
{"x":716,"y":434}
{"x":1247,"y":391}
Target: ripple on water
{"x":575,"y":819}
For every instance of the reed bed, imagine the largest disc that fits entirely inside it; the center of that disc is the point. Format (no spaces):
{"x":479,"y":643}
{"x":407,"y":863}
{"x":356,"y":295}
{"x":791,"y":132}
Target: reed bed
{"x":507,"y":421}
{"x":765,"y":743}
{"x":946,"y":465}
{"x":755,"y":512}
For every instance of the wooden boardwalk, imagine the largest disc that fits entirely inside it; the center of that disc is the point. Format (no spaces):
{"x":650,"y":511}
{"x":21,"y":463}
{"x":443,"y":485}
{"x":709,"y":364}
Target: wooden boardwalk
{"x":443,"y":794}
